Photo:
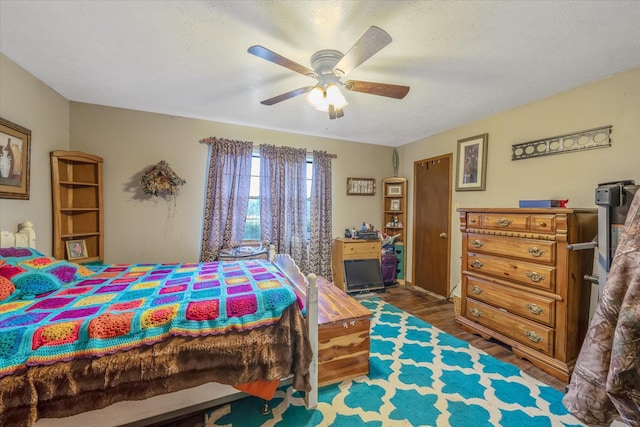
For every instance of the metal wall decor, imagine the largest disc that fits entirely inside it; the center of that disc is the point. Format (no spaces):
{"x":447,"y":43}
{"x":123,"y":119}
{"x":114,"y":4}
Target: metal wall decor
{"x":583,"y":140}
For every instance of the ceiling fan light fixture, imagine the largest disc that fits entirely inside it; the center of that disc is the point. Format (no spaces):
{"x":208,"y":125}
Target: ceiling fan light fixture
{"x":335,"y":97}
{"x":321,"y":99}
{"x":317,"y":99}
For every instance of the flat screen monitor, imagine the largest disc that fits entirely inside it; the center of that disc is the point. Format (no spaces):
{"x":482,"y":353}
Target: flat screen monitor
{"x":363,"y":275}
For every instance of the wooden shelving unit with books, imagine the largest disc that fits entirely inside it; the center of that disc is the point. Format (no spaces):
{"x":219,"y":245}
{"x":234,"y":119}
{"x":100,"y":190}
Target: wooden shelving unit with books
{"x":76,"y":184}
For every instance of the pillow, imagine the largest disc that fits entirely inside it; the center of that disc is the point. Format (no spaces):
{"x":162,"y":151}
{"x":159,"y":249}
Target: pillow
{"x":31,"y":284}
{"x":6,"y":288}
{"x":19,"y":254}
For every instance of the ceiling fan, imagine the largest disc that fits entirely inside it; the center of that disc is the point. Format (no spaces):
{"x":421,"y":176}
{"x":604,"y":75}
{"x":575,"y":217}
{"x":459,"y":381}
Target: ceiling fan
{"x":329,"y":67}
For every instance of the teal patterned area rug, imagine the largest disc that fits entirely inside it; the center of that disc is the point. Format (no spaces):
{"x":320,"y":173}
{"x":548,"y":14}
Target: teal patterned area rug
{"x":419,"y":376}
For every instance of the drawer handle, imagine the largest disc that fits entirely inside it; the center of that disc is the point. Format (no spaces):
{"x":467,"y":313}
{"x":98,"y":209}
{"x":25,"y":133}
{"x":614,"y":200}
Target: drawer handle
{"x":543,"y":224}
{"x":476,"y":264}
{"x":535,"y":309}
{"x":536,"y":251}
{"x":477,"y":243}
{"x":533,"y":336}
{"x":474,"y":311}
{"x":535,"y":277}
{"x":472,"y":221}
{"x":476,"y":289}
{"x":504,"y":222}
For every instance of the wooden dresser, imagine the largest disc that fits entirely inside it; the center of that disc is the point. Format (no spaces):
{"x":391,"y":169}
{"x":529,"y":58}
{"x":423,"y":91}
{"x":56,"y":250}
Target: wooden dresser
{"x":523,"y":286}
{"x":345,"y":248}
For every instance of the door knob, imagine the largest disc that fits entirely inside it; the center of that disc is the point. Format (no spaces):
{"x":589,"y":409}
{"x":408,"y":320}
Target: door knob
{"x":443,"y":235}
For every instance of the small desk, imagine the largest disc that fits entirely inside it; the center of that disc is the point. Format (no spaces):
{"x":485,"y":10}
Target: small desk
{"x":344,"y":248}
{"x":343,"y":335}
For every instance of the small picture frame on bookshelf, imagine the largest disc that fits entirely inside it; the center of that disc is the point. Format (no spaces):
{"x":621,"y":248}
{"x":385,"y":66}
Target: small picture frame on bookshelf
{"x":394,"y":190}
{"x":76,"y":249}
{"x":395,"y":205}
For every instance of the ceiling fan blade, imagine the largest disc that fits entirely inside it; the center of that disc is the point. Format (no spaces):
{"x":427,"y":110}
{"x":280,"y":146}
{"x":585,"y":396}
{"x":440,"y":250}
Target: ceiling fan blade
{"x":264,"y":53}
{"x":381,"y":89}
{"x":287,"y":95}
{"x":371,"y":42}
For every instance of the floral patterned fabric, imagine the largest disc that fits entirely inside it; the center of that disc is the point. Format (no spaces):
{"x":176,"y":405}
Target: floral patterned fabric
{"x":605,"y":383}
{"x":321,"y":208}
{"x":227,"y":196}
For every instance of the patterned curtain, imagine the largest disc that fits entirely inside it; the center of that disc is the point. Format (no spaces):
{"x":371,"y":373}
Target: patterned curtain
{"x":283,"y":200}
{"x":227,"y":196}
{"x":321,"y":233}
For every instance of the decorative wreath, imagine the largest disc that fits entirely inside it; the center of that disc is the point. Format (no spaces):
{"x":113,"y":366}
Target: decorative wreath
{"x":161,"y":179}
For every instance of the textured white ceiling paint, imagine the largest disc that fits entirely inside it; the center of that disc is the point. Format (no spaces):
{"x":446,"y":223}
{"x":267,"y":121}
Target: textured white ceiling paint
{"x":464,"y":60}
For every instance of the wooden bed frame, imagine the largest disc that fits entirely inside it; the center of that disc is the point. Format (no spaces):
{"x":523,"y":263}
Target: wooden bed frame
{"x":172,"y":405}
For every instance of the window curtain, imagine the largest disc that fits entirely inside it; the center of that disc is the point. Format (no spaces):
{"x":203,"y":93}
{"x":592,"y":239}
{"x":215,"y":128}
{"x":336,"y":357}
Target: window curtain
{"x":283,"y":201}
{"x":227,"y":195}
{"x":321,"y":233}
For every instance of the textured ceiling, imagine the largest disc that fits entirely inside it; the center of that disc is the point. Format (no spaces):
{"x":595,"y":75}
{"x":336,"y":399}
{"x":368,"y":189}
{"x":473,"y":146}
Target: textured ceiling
{"x":463,"y":60}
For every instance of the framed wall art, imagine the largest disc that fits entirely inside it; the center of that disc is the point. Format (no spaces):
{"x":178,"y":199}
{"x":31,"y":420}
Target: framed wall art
{"x":395,"y":205}
{"x":361,"y":186}
{"x":76,"y":249}
{"x":471,"y":166}
{"x":15,"y":149}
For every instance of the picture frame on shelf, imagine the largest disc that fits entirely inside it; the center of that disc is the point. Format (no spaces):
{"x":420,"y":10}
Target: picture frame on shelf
{"x":15,"y":151}
{"x":471,"y":163}
{"x":361,"y":186}
{"x":76,"y":249}
{"x":394,"y":190}
{"x":394,"y":205}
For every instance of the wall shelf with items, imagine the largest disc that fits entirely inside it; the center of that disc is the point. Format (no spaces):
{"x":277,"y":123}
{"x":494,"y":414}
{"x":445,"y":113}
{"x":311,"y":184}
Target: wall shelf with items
{"x":394,"y":216}
{"x":394,"y":209}
{"x":76,"y":184}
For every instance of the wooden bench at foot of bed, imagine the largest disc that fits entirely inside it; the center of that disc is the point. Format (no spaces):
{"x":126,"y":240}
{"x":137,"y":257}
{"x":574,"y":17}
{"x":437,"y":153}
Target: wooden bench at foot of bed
{"x":343,"y":335}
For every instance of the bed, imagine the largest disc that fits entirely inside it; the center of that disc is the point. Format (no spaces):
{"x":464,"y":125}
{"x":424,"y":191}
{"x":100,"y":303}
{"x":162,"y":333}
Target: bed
{"x":164,"y":338}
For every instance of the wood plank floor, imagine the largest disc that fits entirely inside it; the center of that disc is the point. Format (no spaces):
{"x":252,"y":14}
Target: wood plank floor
{"x":439,"y":312}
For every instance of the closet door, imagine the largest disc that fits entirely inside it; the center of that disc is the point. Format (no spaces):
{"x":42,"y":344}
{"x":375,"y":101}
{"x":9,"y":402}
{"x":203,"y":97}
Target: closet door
{"x":432,"y":224}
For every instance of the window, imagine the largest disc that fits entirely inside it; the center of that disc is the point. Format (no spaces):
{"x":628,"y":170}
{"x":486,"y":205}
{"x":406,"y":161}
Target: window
{"x":252,"y":226}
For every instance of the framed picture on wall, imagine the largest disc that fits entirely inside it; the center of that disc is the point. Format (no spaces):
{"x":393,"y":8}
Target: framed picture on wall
{"x":471,"y":164}
{"x":15,"y":149}
{"x":361,"y":186}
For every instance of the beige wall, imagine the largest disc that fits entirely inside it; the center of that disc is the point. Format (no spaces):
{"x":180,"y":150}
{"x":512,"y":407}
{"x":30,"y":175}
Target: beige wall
{"x":614,"y":101}
{"x":28,"y":102}
{"x":140,"y":228}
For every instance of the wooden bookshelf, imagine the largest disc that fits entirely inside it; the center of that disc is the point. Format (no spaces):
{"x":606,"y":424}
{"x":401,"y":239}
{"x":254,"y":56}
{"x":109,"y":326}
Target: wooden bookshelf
{"x":76,"y":184}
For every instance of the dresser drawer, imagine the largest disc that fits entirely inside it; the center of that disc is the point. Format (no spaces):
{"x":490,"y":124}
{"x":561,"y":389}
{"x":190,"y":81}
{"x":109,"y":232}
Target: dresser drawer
{"x":527,"y":249}
{"x":361,"y":250}
{"x":532,"y":334}
{"x":531,"y":306}
{"x":511,"y":222}
{"x":526,"y":273}
{"x":543,"y":223}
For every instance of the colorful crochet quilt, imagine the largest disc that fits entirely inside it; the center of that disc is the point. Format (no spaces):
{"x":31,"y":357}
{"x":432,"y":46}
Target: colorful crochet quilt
{"x":123,"y":306}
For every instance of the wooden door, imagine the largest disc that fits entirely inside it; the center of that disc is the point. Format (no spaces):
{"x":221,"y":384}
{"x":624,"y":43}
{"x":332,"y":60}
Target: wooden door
{"x":432,"y":224}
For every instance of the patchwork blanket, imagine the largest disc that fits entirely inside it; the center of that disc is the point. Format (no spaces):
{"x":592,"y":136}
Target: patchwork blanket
{"x":122,"y":307}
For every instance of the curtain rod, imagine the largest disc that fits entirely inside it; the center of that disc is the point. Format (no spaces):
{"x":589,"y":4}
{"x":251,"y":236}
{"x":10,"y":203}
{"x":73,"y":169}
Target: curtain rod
{"x":213,"y":138}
